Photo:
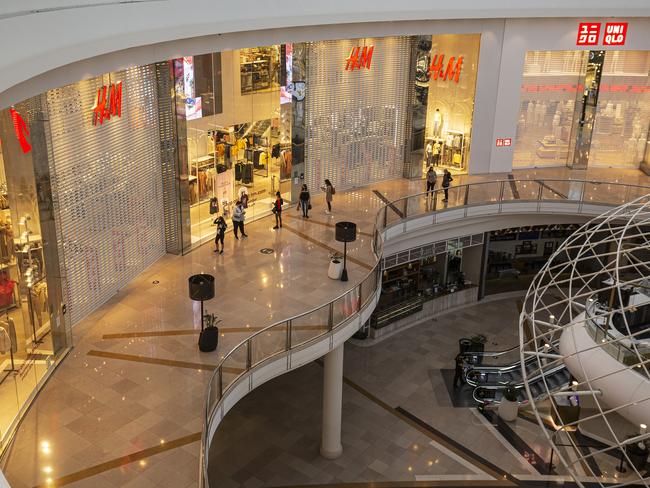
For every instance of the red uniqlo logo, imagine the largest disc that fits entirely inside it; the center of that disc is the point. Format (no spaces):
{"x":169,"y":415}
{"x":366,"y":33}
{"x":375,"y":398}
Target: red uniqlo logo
{"x":21,"y":130}
{"x":588,"y":34}
{"x":359,"y":58}
{"x":615,"y":33}
{"x":108,"y":103}
{"x":450,"y":73}
{"x":504,"y":142}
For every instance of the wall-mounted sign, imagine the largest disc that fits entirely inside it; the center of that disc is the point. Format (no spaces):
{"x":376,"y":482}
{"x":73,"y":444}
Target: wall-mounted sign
{"x":108,"y":103}
{"x":359,"y":58}
{"x":21,"y":129}
{"x":451,"y":72}
{"x":615,"y":33}
{"x":589,"y":34}
{"x":504,"y":142}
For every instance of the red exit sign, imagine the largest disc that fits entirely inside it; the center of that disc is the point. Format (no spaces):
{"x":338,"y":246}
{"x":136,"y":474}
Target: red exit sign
{"x":614,"y":34}
{"x":504,"y":142}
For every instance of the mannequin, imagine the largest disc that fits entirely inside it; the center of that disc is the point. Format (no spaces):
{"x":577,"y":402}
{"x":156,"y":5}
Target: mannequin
{"x":437,"y":123}
{"x":428,"y":152}
{"x":436,"y":153}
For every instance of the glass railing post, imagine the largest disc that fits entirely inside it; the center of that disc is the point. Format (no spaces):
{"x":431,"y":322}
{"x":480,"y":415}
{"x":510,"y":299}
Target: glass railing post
{"x":220,"y":377}
{"x":385,"y":216}
{"x":249,"y":354}
{"x":501,"y":189}
{"x":582,"y":191}
{"x":540,"y":190}
{"x":330,"y":318}
{"x":359,"y":298}
{"x":466,"y":195}
{"x":406,"y":208}
{"x":287,"y":345}
{"x":434,"y":195}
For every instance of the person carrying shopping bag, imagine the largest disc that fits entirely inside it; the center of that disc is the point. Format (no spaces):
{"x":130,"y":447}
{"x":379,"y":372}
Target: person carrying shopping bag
{"x":329,"y":192}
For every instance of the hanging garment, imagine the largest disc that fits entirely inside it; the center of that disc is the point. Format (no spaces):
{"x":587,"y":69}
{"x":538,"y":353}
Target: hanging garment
{"x":5,"y":341}
{"x":263,"y":158}
{"x":7,"y":292}
{"x":275,"y":152}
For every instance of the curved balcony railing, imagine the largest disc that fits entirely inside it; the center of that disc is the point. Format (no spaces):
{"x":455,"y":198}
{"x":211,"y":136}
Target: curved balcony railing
{"x":302,"y":330}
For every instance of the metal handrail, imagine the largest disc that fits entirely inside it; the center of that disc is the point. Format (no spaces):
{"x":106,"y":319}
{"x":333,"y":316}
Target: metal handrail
{"x":381,"y":224}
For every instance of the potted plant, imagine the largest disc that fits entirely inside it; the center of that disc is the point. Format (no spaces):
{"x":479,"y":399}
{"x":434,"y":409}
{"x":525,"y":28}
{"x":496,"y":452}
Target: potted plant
{"x":209,"y":337}
{"x":509,"y":406}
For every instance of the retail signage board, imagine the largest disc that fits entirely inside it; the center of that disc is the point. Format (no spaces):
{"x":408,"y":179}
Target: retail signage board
{"x":448,"y":73}
{"x":21,"y":129}
{"x":108,"y":103}
{"x":359,"y":58}
{"x":504,"y":142}
{"x":615,"y":34}
{"x":588,"y":34}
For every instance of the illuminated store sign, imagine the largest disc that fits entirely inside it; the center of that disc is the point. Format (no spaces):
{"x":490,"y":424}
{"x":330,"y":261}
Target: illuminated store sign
{"x":359,"y":58}
{"x":452,"y":72}
{"x":108,"y":103}
{"x":615,"y":34}
{"x":504,"y":142}
{"x":21,"y":129}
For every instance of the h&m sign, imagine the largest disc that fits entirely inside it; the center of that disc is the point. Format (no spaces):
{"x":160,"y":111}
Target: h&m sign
{"x":108,"y":103}
{"x":360,"y":57}
{"x":448,"y":73}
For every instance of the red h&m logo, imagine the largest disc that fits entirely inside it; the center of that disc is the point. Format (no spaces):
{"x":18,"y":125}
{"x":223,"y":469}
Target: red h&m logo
{"x":450,"y":73}
{"x":21,"y":129}
{"x":588,"y":34}
{"x":615,"y":33}
{"x":359,"y":58}
{"x":108,"y":103}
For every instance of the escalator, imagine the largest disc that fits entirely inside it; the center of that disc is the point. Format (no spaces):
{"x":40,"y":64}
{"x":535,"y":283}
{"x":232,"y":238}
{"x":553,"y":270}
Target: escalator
{"x":557,"y":378}
{"x":479,"y":375}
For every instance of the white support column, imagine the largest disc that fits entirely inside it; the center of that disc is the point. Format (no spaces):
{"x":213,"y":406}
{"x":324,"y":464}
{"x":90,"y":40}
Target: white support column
{"x":331,"y":447}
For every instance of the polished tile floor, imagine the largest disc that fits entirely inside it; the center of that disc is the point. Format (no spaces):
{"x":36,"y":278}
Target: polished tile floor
{"x":124,"y":408}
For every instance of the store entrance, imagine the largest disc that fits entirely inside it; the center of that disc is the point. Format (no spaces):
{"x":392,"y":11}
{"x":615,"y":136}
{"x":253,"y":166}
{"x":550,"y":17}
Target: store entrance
{"x":585,"y":114}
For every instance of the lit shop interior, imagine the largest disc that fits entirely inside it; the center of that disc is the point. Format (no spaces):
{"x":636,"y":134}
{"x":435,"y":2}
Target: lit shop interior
{"x":26,"y":347}
{"x":583,"y":109}
{"x":238,"y":113}
{"x":446,"y":77}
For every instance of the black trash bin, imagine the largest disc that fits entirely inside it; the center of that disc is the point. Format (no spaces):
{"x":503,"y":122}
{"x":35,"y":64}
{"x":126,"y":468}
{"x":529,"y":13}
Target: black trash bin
{"x":464,"y":345}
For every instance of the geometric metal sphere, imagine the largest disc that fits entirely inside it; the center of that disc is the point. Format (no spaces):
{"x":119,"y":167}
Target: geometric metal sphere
{"x":588,"y":309}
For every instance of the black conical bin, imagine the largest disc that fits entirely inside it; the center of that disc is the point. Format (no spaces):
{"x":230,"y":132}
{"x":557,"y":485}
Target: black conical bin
{"x":201,"y":287}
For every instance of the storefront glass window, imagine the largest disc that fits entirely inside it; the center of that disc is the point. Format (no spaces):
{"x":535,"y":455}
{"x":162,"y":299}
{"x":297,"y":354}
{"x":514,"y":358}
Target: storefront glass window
{"x":240,"y":147}
{"x":551,"y":83}
{"x":623,"y":115}
{"x":27,"y":345}
{"x":452,"y":70}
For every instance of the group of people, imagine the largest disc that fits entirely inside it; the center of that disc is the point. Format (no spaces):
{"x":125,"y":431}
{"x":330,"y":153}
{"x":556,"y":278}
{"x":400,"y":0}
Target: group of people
{"x":431,"y":178}
{"x":239,"y":213}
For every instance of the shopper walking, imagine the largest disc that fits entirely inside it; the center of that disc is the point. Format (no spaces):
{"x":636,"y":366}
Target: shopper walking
{"x":446,"y":181}
{"x":458,"y":371}
{"x":329,"y":192}
{"x":277,"y":209}
{"x":304,"y":201}
{"x":238,"y":216}
{"x":431,"y":180}
{"x":221,"y":233}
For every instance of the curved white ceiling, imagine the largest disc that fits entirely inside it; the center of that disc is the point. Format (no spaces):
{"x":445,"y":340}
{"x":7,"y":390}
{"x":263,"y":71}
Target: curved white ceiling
{"x":38,"y":36}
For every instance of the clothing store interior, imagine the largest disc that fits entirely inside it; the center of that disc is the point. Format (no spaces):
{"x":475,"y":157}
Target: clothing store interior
{"x":25,"y":339}
{"x":583,"y":108}
{"x":449,"y":100}
{"x":238,"y":113}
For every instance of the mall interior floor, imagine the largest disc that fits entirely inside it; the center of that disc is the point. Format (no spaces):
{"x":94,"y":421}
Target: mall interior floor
{"x":125,"y":407}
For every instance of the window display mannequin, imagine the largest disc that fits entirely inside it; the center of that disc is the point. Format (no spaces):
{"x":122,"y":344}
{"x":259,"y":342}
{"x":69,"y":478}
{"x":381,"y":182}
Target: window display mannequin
{"x":428,"y":153}
{"x":437,"y":147}
{"x":437,"y":124}
{"x":243,"y":196}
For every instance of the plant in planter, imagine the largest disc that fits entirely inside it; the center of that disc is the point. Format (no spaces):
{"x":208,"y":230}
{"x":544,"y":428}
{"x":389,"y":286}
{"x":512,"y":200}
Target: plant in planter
{"x":209,"y":337}
{"x":509,"y":406}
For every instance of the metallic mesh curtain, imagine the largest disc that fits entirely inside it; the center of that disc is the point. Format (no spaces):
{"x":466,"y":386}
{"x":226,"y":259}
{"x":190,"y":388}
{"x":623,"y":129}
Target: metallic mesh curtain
{"x":356,"y":120}
{"x":107,"y":182}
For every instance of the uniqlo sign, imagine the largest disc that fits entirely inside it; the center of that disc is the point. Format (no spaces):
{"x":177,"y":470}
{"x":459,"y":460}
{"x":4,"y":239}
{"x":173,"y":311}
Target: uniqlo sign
{"x":615,"y":33}
{"x":588,"y":34}
{"x":504,"y":142}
